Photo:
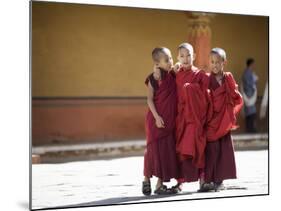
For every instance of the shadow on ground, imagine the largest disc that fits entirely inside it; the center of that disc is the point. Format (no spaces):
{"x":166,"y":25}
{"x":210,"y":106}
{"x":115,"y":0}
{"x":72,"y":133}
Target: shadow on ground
{"x":123,"y":200}
{"x":135,"y":199}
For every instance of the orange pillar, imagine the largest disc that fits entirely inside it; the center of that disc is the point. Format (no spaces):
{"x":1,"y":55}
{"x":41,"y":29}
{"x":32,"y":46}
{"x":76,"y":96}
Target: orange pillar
{"x":199,"y":36}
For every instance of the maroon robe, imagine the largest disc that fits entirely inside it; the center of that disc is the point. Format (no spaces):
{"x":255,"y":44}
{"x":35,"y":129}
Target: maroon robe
{"x":226,"y":103}
{"x":160,"y":156}
{"x":192,"y":94}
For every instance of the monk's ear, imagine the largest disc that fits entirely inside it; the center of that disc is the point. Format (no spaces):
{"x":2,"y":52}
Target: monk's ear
{"x":225,"y":62}
{"x":194,"y":56}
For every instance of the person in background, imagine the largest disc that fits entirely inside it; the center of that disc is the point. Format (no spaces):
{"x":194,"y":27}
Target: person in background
{"x":264,"y":102}
{"x":249,"y":93}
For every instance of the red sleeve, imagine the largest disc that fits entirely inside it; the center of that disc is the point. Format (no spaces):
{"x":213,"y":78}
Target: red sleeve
{"x":232,"y":89}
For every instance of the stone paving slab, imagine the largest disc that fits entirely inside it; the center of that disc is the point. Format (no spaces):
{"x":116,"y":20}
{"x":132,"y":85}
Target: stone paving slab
{"x":118,"y":181}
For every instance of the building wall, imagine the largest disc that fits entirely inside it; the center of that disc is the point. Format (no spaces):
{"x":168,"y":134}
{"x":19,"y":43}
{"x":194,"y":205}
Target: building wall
{"x":243,"y":37}
{"x":85,"y":57}
{"x":60,"y":121}
{"x":86,"y":50}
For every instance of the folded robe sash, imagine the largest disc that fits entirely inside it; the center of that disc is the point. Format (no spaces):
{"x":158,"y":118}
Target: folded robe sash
{"x":192,"y":114}
{"x":226,"y":103}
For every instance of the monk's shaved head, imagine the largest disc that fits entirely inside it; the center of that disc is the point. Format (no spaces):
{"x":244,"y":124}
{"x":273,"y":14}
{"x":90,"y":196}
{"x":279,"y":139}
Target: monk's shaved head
{"x":158,"y":52}
{"x":220,"y":52}
{"x":186,"y":46}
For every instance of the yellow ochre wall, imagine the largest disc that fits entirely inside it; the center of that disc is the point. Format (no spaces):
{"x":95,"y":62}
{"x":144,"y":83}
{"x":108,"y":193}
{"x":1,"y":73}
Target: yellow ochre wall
{"x":89,"y":50}
{"x":86,"y":50}
{"x":243,"y":37}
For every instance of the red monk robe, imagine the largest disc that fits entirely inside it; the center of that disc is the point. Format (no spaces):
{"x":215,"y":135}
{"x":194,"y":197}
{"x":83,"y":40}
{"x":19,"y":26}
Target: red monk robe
{"x":226,"y":103}
{"x":160,"y":156}
{"x":192,"y":87}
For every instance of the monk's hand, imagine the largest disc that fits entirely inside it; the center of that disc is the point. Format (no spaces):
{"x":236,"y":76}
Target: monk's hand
{"x":177,"y":66}
{"x":159,"y":122}
{"x":186,"y":85}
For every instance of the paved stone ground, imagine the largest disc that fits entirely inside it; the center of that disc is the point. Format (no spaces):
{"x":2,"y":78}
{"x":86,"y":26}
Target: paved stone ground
{"x":116,"y":181}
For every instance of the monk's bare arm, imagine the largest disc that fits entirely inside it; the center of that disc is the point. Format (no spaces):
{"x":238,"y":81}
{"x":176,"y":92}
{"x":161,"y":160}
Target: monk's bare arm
{"x":150,"y":94}
{"x":150,"y":100}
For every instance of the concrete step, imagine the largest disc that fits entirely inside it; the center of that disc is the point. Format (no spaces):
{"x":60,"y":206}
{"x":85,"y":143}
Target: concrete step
{"x":88,"y":151}
{"x":36,"y":159}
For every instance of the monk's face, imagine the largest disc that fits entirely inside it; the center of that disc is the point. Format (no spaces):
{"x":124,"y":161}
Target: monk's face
{"x":186,"y":57}
{"x":165,"y":60}
{"x":216,"y":63}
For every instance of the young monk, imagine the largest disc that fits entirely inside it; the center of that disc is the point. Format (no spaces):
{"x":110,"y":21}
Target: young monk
{"x":192,"y":85}
{"x":226,"y":103}
{"x":160,"y":156}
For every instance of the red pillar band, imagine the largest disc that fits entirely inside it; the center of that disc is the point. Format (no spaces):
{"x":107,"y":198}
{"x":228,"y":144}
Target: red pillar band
{"x":199,"y":36}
